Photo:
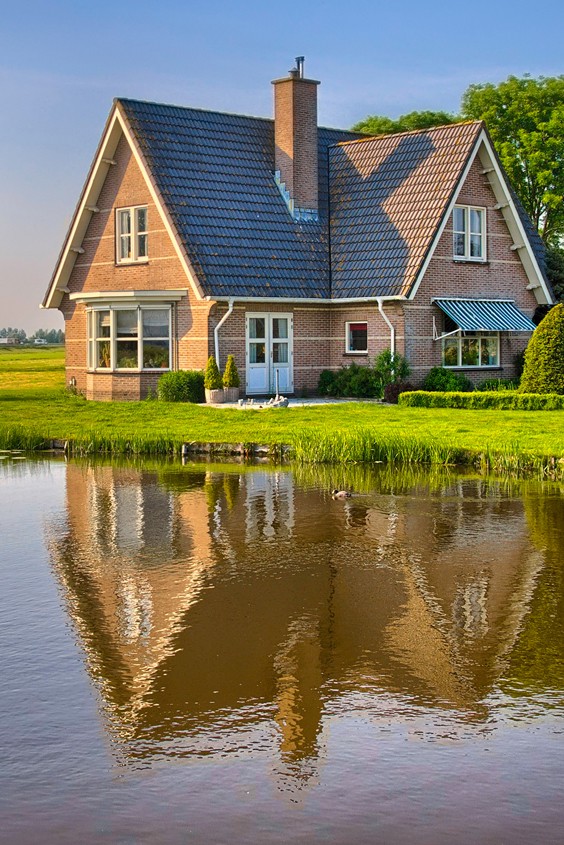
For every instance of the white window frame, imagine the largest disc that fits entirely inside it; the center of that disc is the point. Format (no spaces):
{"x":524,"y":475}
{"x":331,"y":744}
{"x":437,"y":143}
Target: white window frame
{"x":135,"y":234}
{"x":348,"y":350}
{"x":467,"y":209}
{"x":465,"y":336}
{"x":113,"y":340}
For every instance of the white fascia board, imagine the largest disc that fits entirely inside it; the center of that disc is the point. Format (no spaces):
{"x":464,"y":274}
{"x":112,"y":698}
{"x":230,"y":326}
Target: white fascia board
{"x":89,"y":199}
{"x":502,"y":193}
{"x":129,"y":296}
{"x":511,"y":216}
{"x":305,"y":301}
{"x":82,"y":216}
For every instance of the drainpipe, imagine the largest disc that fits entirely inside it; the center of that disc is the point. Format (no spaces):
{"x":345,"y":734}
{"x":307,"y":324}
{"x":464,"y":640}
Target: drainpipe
{"x":217,"y":328}
{"x":380,"y":301}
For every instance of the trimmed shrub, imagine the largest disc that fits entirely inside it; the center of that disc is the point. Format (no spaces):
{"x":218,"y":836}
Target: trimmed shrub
{"x":441,"y":379}
{"x":231,"y":374}
{"x":181,"y":386}
{"x":544,"y":356}
{"x":502,"y":400}
{"x":212,"y":376}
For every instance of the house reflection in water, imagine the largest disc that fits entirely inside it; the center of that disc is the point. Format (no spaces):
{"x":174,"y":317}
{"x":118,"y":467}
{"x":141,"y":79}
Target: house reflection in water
{"x":217,"y":610}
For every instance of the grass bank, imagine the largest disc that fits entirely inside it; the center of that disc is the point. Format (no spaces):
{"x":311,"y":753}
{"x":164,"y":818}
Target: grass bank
{"x":34,"y":411}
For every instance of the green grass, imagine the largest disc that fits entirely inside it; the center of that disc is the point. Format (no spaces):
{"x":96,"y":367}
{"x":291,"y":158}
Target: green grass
{"x":34,"y":410}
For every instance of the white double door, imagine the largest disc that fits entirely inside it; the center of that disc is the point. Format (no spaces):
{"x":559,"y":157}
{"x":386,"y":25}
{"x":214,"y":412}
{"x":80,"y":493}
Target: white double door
{"x":269,"y":353}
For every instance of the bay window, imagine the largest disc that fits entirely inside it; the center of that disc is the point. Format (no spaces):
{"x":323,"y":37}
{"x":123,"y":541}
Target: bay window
{"x":129,"y":337}
{"x":477,"y":349}
{"x":131,"y":234}
{"x":469,"y":233}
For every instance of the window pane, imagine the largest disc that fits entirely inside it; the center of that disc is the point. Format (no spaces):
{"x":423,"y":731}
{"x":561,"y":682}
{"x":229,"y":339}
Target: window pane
{"x":450,"y":351}
{"x":126,"y":323}
{"x":257,"y":353}
{"x":475,"y":221}
{"x":102,"y":354}
{"x":458,"y":220}
{"x":141,"y":219}
{"x":358,"y":337}
{"x":459,"y":247}
{"x":256,"y":327}
{"x":125,"y":247}
{"x":280,"y":353}
{"x":155,"y":354}
{"x":102,"y":324}
{"x":126,"y":351}
{"x":142,"y":246}
{"x":124,"y":222}
{"x":280,"y":327}
{"x":155,"y":322}
{"x":476,"y":246}
{"x":489,"y":351}
{"x":470,"y":350}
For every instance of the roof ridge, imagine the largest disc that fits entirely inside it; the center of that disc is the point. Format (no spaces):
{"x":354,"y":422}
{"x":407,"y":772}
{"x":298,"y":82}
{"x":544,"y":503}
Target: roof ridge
{"x":411,"y":132}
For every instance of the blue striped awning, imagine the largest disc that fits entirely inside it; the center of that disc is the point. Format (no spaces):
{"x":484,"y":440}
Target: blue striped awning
{"x":486,"y":315}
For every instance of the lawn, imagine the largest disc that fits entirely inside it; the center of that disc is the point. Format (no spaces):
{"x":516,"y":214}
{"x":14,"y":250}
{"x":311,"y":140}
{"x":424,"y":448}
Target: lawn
{"x":33,"y":401}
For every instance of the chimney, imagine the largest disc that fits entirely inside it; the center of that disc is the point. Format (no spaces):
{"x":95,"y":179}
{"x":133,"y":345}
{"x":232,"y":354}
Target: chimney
{"x":295,"y":140}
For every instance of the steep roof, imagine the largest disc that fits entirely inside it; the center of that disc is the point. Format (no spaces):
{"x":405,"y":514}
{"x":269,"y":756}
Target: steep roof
{"x":389,"y":195}
{"x":215,"y":173}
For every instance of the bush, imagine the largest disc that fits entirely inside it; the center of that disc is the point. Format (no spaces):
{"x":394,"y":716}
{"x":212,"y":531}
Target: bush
{"x":503,"y":400}
{"x":181,"y":386}
{"x":354,"y":380}
{"x":212,"y":376}
{"x":441,"y":379}
{"x":326,"y":384}
{"x":392,"y":391}
{"x":391,"y":370}
{"x":490,"y":384}
{"x":544,"y":356}
{"x":231,"y":374}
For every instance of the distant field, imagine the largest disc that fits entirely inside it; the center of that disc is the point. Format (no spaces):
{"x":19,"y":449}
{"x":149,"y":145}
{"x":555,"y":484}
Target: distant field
{"x":31,"y":372}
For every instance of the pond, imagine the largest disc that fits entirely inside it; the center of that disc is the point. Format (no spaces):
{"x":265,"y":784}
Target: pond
{"x":226,"y":654}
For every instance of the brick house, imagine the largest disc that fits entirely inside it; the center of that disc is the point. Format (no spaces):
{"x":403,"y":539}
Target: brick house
{"x":295,"y":247}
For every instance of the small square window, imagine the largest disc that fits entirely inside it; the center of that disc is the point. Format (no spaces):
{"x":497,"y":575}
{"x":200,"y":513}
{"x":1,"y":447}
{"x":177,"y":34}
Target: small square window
{"x":357,"y":337}
{"x":131,"y":234}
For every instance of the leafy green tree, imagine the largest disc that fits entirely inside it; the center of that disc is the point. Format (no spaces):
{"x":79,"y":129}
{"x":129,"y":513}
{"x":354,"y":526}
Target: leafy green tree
{"x":525,"y":118}
{"x":544,"y":355}
{"x":379,"y":125}
{"x":555,"y":270}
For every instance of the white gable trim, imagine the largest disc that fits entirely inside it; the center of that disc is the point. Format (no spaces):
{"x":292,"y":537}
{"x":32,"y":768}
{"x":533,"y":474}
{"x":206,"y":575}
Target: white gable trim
{"x":86,"y":208}
{"x":488,"y":158}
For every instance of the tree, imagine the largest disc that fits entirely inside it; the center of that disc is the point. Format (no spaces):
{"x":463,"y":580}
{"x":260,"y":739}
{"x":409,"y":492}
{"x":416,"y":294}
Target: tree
{"x":379,"y":125}
{"x":525,"y":118}
{"x":544,"y":355}
{"x":555,"y":271}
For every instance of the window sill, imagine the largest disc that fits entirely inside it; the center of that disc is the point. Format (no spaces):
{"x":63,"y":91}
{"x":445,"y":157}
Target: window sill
{"x":133,"y":262}
{"x":127,"y":372}
{"x":462,"y":260}
{"x":474,"y":367}
{"x":356,"y":354}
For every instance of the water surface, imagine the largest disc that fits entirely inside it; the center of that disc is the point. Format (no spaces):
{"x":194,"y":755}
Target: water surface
{"x":225,"y":654}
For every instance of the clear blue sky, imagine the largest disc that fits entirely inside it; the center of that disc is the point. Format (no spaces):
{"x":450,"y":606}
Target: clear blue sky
{"x":61,"y":64}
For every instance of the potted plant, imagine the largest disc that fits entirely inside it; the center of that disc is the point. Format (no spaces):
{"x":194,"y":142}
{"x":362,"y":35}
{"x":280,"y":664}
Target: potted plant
{"x":213,"y":382}
{"x":231,"y":380}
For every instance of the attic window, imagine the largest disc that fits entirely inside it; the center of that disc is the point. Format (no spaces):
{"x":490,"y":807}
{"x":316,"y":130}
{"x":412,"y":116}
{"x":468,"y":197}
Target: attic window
{"x":131,"y":234}
{"x":469,"y":233}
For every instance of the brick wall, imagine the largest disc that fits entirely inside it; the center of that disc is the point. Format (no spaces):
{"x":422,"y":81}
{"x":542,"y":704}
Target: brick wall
{"x":96,"y":270}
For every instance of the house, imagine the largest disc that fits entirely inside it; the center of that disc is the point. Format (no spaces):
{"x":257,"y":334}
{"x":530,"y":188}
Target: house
{"x":295,"y":247}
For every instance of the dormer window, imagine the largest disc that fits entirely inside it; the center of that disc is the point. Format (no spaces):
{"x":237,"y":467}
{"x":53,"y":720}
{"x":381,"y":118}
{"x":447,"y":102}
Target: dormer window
{"x":469,"y":233}
{"x":131,"y":234}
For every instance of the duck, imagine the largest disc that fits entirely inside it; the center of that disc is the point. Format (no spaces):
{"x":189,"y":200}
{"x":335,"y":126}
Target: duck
{"x":340,"y":494}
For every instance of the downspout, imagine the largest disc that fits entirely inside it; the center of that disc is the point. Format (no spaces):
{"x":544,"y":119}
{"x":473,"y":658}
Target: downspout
{"x":380,"y":301}
{"x":217,"y":328}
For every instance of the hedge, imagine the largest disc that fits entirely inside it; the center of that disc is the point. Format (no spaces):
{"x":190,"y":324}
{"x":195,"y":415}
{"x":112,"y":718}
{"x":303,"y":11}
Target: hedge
{"x":181,"y":386}
{"x":505,"y":400}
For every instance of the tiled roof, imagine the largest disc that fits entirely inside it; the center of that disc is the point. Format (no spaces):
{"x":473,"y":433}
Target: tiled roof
{"x":215,"y":173}
{"x":388,"y":198}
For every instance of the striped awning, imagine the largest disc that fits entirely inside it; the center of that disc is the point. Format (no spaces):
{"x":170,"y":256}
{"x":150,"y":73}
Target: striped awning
{"x":485,"y":315}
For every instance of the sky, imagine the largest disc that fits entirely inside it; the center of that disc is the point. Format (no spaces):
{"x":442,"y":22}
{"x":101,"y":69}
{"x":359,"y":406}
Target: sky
{"x":62,"y":63}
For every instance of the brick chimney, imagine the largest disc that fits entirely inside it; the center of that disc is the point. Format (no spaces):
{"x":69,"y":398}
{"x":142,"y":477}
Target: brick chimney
{"x":295,"y":139}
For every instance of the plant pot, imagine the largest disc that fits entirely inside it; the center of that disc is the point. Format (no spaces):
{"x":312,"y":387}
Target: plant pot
{"x":231,"y":394}
{"x":214,"y":397}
